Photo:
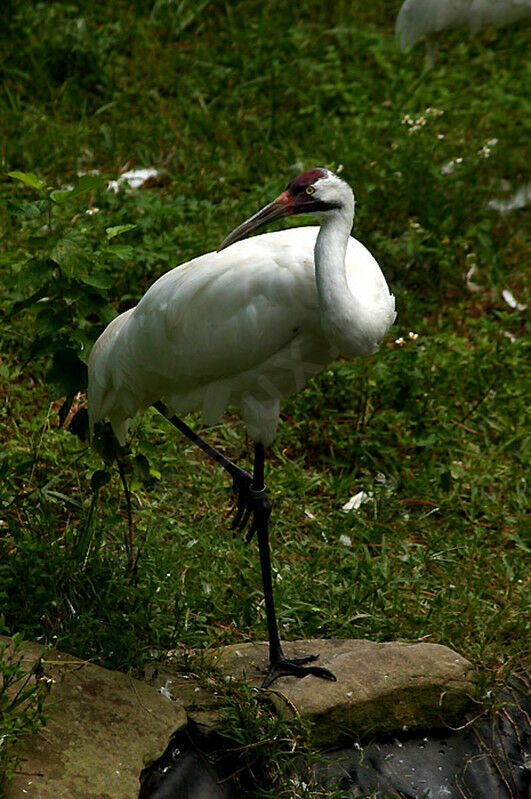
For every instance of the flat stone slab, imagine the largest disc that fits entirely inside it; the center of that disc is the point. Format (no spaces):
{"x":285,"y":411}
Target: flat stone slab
{"x":101,"y":728}
{"x":380,"y":688}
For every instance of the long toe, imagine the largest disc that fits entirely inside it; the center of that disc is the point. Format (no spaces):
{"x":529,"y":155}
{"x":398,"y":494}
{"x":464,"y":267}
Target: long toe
{"x":294,"y":668}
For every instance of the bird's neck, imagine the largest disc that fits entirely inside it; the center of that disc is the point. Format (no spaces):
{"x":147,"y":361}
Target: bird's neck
{"x":340,"y":310}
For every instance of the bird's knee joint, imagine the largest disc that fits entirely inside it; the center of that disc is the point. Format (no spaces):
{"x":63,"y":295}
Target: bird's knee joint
{"x":259,"y":494}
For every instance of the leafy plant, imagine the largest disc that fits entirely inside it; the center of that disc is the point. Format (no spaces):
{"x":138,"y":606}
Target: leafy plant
{"x":65,"y":282}
{"x":21,"y":704}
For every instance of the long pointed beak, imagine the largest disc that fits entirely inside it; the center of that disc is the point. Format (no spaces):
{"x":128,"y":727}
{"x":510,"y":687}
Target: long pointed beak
{"x":282,"y":206}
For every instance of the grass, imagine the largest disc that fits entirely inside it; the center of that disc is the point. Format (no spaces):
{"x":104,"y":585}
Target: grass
{"x":229,"y":101}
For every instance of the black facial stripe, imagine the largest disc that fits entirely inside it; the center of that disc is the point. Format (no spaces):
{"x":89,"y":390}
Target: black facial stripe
{"x":310,"y":204}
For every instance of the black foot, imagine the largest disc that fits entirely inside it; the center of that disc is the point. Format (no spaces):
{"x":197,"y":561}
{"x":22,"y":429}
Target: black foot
{"x":253,"y":506}
{"x":293,"y":667}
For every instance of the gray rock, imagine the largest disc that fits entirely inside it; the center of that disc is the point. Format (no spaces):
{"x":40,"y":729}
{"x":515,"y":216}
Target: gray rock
{"x":380,"y":688}
{"x":101,"y":728}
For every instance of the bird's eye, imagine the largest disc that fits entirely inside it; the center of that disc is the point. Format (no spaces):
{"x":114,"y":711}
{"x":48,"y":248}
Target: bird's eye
{"x":310,"y":190}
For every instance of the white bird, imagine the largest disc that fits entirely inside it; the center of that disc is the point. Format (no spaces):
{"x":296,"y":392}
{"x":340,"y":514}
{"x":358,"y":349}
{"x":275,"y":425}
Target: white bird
{"x":418,"y":18}
{"x":247,"y":326}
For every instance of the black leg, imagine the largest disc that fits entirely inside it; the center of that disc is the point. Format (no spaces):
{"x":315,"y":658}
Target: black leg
{"x":127,"y":493}
{"x":279,"y":664}
{"x":228,"y":465}
{"x":241,"y":479}
{"x":254,"y":506}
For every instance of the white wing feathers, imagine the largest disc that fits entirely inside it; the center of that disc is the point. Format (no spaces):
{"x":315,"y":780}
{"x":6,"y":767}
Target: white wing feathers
{"x":240,"y":326}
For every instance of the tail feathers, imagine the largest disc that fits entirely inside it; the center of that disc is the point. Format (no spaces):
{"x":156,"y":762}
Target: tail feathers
{"x":120,"y":430}
{"x":108,"y":391}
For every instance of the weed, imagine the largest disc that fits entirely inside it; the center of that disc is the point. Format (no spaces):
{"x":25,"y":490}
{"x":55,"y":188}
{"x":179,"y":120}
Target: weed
{"x":21,"y":704}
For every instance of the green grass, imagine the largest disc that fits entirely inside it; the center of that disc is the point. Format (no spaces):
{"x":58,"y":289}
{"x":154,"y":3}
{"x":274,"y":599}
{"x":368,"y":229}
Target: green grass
{"x":229,"y":101}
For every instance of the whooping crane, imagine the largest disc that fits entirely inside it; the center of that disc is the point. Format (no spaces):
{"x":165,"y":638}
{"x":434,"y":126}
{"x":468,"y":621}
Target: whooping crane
{"x":248,"y":325}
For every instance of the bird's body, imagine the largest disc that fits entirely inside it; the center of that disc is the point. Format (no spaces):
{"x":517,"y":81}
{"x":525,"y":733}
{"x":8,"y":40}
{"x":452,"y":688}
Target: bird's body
{"x":247,"y":326}
{"x":238,"y":327}
{"x":418,"y":18}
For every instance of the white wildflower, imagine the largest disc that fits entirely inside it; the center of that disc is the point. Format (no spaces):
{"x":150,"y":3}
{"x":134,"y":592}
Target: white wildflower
{"x":449,"y":167}
{"x":431,"y":111}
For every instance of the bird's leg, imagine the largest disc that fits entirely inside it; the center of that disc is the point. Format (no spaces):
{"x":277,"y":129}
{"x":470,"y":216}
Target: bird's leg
{"x":254,"y":501}
{"x":241,"y":479}
{"x":279,"y":664}
{"x":131,"y":559}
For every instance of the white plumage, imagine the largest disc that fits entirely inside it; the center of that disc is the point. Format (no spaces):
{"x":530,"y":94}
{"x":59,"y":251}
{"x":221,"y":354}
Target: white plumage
{"x":245,"y":326}
{"x":418,"y":18}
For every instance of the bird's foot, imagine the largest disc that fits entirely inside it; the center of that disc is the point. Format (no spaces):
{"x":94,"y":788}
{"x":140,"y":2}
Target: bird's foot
{"x":253,"y":505}
{"x":294,"y":667}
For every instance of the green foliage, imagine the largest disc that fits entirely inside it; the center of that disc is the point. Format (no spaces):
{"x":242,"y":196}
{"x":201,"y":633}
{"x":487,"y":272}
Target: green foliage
{"x":64,"y":282}
{"x":21,"y":698}
{"x":432,"y":429}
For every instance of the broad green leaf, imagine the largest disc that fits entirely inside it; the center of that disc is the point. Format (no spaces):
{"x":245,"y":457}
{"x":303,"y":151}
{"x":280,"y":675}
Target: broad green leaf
{"x":99,"y":280}
{"x":99,"y":479}
{"x":47,"y":321}
{"x":40,"y":347}
{"x":35,"y":272}
{"x":88,"y":183}
{"x":107,"y":313}
{"x":69,"y":252}
{"x":67,"y":375}
{"x":84,"y":185}
{"x":19,"y":306}
{"x":29,"y":179}
{"x":122,"y":251}
{"x":117,"y":230}
{"x":29,"y":210}
{"x":60,"y":195}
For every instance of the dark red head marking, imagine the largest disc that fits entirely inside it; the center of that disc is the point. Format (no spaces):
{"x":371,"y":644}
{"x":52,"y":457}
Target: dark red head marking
{"x":305,"y":179}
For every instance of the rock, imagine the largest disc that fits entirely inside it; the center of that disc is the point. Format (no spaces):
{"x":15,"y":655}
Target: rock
{"x":485,"y":757}
{"x":380,"y":688}
{"x":101,"y":727}
{"x":203,"y":707}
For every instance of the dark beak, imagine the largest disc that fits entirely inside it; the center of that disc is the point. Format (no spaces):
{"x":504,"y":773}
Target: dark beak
{"x":282,"y":206}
